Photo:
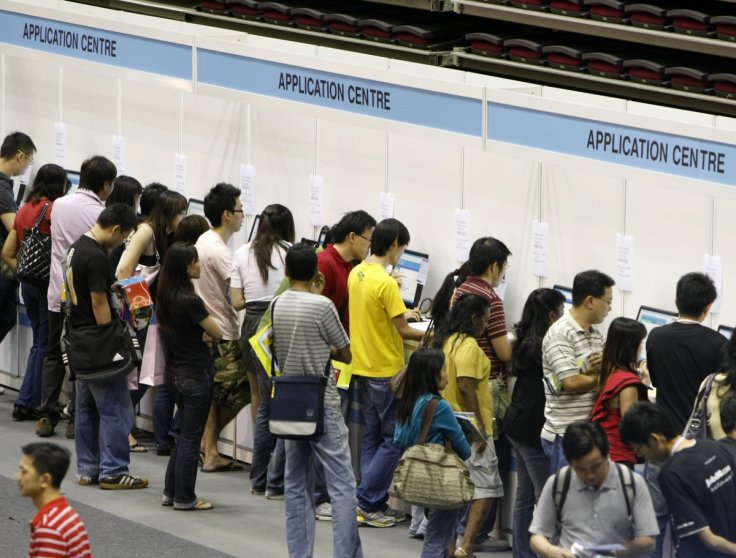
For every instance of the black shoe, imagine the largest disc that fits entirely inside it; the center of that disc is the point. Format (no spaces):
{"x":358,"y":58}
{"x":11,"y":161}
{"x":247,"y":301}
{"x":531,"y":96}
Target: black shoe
{"x":21,"y":412}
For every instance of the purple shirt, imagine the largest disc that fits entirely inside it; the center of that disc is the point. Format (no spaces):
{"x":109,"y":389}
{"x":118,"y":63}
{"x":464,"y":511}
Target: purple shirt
{"x":73,"y":216}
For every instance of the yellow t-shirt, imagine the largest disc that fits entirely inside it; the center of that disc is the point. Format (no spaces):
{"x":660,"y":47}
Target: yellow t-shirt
{"x":374,"y":299}
{"x":465,"y":358}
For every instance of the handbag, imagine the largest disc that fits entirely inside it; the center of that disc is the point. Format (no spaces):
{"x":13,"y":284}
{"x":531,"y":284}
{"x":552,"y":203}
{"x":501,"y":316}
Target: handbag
{"x":430,"y":475}
{"x":297,"y":402}
{"x":697,"y":425}
{"x":34,"y":256}
{"x":153,"y":366}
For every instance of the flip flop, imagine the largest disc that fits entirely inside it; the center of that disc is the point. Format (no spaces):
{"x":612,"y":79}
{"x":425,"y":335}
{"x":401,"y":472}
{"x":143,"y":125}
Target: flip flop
{"x":228,"y":468}
{"x":199,"y":505}
{"x":138,"y":448}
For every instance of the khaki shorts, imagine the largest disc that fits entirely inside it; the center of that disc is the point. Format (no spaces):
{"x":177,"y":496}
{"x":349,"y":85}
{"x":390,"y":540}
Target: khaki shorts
{"x":484,"y":473}
{"x":232,"y":389}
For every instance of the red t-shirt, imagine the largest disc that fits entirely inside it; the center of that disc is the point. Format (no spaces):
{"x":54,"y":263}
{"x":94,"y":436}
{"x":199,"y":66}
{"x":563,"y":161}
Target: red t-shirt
{"x":58,"y":532}
{"x":336,"y":271}
{"x":27,"y":215}
{"x":496,"y":323}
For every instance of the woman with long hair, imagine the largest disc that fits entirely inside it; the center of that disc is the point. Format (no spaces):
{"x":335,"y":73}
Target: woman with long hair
{"x":425,"y":377}
{"x":126,"y":190}
{"x":619,"y":384}
{"x":723,"y":384}
{"x":50,"y":184}
{"x":186,"y":325}
{"x":525,"y":415}
{"x":258,"y":271}
{"x":468,"y":390}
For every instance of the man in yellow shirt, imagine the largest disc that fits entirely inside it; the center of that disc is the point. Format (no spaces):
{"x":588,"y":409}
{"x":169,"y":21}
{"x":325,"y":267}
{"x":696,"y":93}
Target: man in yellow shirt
{"x":378,"y":324}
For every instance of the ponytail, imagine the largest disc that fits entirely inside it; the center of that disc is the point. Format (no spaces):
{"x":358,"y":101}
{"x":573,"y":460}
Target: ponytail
{"x":441,"y":303}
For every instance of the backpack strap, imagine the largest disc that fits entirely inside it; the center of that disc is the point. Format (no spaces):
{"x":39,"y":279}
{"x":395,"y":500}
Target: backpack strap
{"x":559,"y":495}
{"x":626,"y":478}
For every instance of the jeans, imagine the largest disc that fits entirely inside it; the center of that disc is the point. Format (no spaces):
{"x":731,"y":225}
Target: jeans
{"x":553,"y":450}
{"x":104,"y":419}
{"x":193,"y":398}
{"x":532,"y":471}
{"x":53,"y":372}
{"x":36,"y":302}
{"x":379,"y":455}
{"x":8,"y":305}
{"x":165,"y":423}
{"x":332,"y":451}
{"x":440,"y":532}
{"x":267,"y":469}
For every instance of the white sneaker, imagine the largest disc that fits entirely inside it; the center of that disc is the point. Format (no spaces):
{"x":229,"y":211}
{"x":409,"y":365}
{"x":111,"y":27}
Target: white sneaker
{"x":323,"y":512}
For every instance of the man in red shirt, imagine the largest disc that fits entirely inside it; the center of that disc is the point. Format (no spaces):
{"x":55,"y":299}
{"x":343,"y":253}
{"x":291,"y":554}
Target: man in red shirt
{"x":56,"y":530}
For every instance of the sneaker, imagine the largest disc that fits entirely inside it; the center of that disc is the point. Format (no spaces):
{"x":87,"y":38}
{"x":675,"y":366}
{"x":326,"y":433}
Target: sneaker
{"x":70,"y":431}
{"x":64,"y":413}
{"x":257,"y":491}
{"x":398,"y":515}
{"x":374,"y":519}
{"x":88,"y":481}
{"x":274,"y":495}
{"x":323,"y":512}
{"x":490,"y":544}
{"x":44,"y":427}
{"x":167,"y":501}
{"x":123,"y":482}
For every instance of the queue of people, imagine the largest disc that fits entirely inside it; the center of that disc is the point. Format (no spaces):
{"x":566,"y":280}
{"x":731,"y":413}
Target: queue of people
{"x":577,"y":417}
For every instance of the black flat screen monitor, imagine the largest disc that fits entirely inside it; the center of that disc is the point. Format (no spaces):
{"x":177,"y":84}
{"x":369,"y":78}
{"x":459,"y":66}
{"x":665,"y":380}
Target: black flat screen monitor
{"x":195,"y":207}
{"x":567,"y":293}
{"x":73,"y":177}
{"x":413,"y":267}
{"x":726,"y":331}
{"x":254,"y":228}
{"x":655,"y":317}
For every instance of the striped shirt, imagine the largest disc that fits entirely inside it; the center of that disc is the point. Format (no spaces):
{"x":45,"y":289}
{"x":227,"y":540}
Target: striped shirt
{"x":496,"y":323}
{"x":58,"y":532}
{"x":305,"y":325}
{"x":562,"y":349}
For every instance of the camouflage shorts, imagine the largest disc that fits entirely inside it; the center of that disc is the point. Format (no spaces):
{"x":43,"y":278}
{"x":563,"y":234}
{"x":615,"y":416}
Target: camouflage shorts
{"x":232,"y":389}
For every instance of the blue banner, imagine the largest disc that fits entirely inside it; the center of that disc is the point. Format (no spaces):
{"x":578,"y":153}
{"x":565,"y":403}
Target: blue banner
{"x":613,"y":143}
{"x":409,"y":105}
{"x":96,"y":45}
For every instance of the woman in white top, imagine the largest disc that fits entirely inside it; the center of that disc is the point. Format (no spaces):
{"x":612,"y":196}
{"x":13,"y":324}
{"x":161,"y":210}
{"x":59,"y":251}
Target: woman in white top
{"x":258,"y":271}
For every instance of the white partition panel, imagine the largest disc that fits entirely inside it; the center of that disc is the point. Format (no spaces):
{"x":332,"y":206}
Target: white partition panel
{"x":724,"y":246}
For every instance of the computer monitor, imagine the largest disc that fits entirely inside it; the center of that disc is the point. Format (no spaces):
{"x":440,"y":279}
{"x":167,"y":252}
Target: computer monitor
{"x":19,"y":195}
{"x":726,"y":331}
{"x":322,"y":237}
{"x":655,"y":317}
{"x":567,"y":293}
{"x":413,"y":267}
{"x":195,"y":207}
{"x":309,"y":242}
{"x":73,"y":177}
{"x":254,"y":228}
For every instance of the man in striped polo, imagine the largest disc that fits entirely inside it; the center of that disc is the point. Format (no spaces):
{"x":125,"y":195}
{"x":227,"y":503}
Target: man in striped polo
{"x":56,"y":530}
{"x":571,"y":358}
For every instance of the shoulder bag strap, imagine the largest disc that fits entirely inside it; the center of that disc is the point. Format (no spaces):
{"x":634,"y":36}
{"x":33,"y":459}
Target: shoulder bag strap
{"x":273,"y":338}
{"x":41,"y":215}
{"x":428,"y":416}
{"x":560,"y":498}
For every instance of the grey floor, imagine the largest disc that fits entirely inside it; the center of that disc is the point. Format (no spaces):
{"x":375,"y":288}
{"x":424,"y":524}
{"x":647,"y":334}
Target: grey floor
{"x":240,"y":525}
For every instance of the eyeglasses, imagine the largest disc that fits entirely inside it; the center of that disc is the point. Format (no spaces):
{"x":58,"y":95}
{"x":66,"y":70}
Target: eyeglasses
{"x":361,"y":236}
{"x":27,"y":156}
{"x":237,"y":211}
{"x":609,"y":302}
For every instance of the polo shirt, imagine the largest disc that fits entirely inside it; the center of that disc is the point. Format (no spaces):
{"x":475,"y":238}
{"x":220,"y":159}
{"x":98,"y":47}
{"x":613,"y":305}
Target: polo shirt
{"x":563,"y":347}
{"x":213,"y":285}
{"x":336,"y":271}
{"x":595,"y":515}
{"x":57,"y":531}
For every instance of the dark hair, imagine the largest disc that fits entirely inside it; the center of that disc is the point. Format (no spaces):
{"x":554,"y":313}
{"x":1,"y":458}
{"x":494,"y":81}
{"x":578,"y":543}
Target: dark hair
{"x":352,"y":222}
{"x":96,"y":172}
{"x":484,"y":252}
{"x":120,"y":215}
{"x":124,"y":190}
{"x":695,"y":291}
{"x":275,"y":229}
{"x":51,"y":183}
{"x":532,"y":327}
{"x":191,"y":228}
{"x":14,"y":142}
{"x":622,"y":347}
{"x":582,"y":437}
{"x":388,"y":231}
{"x":168,"y":206}
{"x":219,"y":199}
{"x":728,"y":362}
{"x":422,"y":376}
{"x":149,"y":197}
{"x":174,"y":284}
{"x":643,"y":419}
{"x":460,"y":319}
{"x":728,"y":412}
{"x":301,"y":262}
{"x":590,"y":283}
{"x":49,"y":458}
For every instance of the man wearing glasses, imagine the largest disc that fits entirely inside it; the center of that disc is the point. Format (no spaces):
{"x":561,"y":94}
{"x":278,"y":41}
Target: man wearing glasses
{"x":571,"y":358}
{"x":16,"y":155}
{"x":593,"y":502}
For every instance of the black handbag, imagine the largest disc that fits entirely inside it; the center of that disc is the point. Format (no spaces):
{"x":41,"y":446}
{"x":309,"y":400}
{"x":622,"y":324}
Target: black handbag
{"x":34,"y":256}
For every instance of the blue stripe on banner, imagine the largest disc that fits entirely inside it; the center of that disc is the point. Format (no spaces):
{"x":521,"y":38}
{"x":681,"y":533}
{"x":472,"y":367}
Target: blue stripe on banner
{"x":96,"y":45}
{"x":613,"y":143}
{"x":453,"y":113}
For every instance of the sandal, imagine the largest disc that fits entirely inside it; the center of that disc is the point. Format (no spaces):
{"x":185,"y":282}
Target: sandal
{"x":199,"y":505}
{"x":138,"y":448}
{"x":460,"y":553}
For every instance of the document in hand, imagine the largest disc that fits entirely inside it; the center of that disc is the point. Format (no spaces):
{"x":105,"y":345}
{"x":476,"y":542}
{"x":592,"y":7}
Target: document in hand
{"x":469,"y":426}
